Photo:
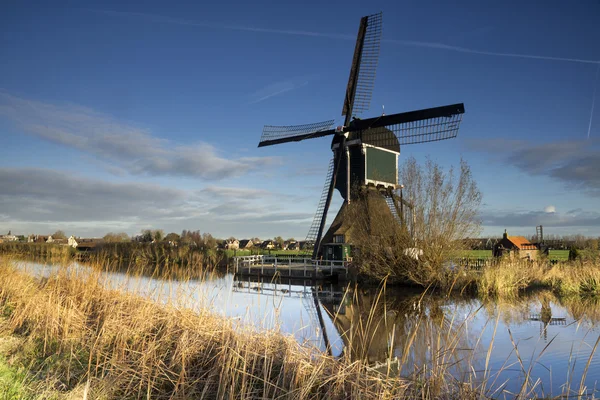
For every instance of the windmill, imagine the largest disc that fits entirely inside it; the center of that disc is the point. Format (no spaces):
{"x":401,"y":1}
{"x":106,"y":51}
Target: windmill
{"x":365,"y":151}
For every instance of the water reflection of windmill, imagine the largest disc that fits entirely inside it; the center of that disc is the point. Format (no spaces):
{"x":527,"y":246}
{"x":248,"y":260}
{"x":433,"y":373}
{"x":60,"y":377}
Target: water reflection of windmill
{"x":365,"y":151}
{"x":546,"y":318}
{"x":402,"y":329}
{"x":305,"y":291}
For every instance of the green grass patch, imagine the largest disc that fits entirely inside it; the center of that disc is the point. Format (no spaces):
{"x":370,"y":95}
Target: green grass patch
{"x":560,"y":255}
{"x":475,"y":254}
{"x":12,"y":381}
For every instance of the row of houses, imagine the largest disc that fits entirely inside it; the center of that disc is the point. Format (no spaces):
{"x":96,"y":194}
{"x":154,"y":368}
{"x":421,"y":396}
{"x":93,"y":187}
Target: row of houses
{"x":247,"y":244}
{"x":72,"y":241}
{"x":8,"y":238}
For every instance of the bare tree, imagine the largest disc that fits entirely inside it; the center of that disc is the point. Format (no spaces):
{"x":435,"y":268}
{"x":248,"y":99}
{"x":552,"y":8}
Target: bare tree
{"x":443,"y":213}
{"x":59,"y":235}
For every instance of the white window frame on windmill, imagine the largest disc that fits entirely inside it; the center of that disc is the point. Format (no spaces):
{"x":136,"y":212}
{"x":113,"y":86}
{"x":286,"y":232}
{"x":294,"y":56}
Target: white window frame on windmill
{"x":393,"y":185}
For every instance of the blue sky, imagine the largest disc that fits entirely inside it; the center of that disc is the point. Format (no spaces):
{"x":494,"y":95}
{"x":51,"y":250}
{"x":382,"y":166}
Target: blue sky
{"x":121,"y":116}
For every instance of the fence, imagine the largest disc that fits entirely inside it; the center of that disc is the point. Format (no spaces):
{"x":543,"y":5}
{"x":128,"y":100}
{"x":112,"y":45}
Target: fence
{"x":271,"y":265}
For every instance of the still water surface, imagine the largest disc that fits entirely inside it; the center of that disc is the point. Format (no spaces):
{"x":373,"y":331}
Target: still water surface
{"x":550,"y":339}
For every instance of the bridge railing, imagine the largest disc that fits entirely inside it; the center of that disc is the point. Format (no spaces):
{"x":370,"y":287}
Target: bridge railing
{"x":262,"y":261}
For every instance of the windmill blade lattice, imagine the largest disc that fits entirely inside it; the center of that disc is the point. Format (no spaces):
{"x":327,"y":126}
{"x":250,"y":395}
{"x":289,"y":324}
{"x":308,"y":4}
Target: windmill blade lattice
{"x":364,"y":66}
{"x":273,"y":134}
{"x":420,"y":126}
{"x":311,"y":237}
{"x":429,"y":130}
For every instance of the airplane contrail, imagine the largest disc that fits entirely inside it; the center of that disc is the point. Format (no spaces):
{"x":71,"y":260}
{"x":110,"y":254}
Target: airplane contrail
{"x":593,"y":100}
{"x":443,"y":46}
{"x":414,"y":43}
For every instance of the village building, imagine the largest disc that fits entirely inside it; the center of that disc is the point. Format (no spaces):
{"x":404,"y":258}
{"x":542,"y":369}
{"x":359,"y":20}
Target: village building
{"x":41,"y":239}
{"x":306,"y":245}
{"x":268,"y":245}
{"x":232,"y":244}
{"x":516,"y":247}
{"x":293,"y":246}
{"x":72,"y":241}
{"x":9,"y":237}
{"x":83,"y":244}
{"x":246,"y":244}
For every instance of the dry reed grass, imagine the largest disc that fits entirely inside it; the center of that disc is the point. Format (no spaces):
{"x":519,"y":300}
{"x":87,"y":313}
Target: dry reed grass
{"x":508,"y":277}
{"x":87,"y":341}
{"x":124,"y":346}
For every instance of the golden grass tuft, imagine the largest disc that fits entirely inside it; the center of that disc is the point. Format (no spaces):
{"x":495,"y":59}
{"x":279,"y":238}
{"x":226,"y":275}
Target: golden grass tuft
{"x":508,"y":277}
{"x":124,"y":346}
{"x":82,"y":339}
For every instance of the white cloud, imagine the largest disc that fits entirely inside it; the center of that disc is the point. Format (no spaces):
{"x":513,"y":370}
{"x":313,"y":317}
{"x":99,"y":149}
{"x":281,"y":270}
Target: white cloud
{"x":574,"y":220}
{"x":34,"y":200}
{"x":134,"y":148}
{"x":574,"y":163}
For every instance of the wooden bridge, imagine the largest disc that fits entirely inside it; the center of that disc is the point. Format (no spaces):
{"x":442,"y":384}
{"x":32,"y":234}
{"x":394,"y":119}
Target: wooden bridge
{"x":290,"y":267}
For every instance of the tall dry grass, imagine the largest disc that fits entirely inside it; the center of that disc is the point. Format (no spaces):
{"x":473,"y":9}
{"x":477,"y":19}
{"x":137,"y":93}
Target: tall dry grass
{"x":509,"y":276}
{"x":123,"y":346}
{"x":81,"y":337}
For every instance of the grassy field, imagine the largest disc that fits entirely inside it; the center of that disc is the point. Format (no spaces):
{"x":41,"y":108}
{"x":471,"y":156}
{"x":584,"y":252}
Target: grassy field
{"x":560,"y":255}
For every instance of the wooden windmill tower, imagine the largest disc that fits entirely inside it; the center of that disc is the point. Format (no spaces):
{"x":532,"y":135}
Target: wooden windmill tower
{"x":365,"y":151}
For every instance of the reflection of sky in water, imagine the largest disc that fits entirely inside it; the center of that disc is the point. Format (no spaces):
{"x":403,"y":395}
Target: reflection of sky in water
{"x":291,"y":309}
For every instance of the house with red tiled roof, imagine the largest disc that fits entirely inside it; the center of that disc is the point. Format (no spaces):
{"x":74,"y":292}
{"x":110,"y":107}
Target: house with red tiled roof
{"x":516,"y":246}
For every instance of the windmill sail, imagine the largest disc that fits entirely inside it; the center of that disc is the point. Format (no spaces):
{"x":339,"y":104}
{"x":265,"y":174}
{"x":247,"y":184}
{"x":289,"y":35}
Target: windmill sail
{"x":294,"y":133}
{"x":364,"y":66}
{"x":313,"y":232}
{"x":429,"y":130}
{"x":421,"y":126}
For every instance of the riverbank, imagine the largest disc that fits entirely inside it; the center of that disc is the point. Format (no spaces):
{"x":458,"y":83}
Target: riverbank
{"x":503,"y":277}
{"x":122,"y":346}
{"x":75,"y":332}
{"x":507,"y":278}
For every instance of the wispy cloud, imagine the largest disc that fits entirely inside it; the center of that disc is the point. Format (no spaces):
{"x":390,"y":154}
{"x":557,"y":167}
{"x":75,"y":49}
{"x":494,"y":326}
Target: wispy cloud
{"x":571,"y":219}
{"x":403,"y":42}
{"x":34,"y":195}
{"x":42,"y":201}
{"x":443,"y":46}
{"x":574,"y":163}
{"x":277,"y":88}
{"x":184,"y":22}
{"x":237,"y":192}
{"x":134,"y":148}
